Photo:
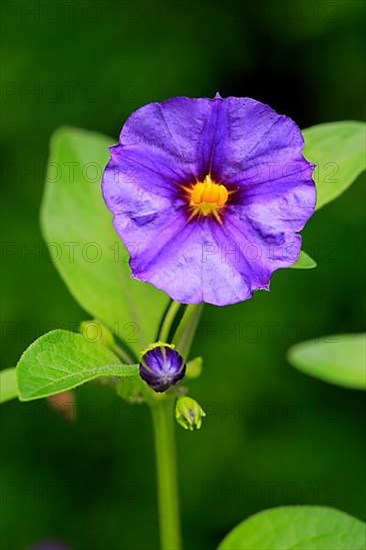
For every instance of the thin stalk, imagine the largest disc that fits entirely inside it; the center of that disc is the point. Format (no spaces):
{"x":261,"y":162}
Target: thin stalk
{"x":164,"y":432}
{"x":122,"y":354}
{"x":183,"y":337}
{"x":168,"y":321}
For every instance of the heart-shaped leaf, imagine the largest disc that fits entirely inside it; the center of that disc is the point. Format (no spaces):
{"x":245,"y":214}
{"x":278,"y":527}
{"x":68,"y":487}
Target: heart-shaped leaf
{"x":61,"y":360}
{"x":304,"y":262}
{"x":338,"y":359}
{"x":297,"y":528}
{"x":338,"y":150}
{"x":84,"y":245}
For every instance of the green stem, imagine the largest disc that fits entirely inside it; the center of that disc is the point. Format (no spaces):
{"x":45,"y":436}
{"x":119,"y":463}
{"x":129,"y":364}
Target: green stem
{"x":164,"y":426}
{"x":122,"y":354}
{"x":183,"y":338}
{"x":168,"y":321}
{"x":164,"y":429}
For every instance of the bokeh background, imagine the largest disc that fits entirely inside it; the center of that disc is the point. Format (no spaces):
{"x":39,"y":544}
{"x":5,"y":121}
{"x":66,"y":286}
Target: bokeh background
{"x":272,"y":435}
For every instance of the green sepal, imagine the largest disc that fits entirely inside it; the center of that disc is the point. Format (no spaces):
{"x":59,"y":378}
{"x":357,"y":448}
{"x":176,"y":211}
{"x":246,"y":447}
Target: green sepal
{"x":157,"y":344}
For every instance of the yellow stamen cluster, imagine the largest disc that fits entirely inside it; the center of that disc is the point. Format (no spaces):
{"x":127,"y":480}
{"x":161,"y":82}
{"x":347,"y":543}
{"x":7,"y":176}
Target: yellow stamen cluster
{"x":207,"y":197}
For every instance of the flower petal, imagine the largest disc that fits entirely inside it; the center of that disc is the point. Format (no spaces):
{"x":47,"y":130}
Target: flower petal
{"x":204,"y":262}
{"x":137,"y":193}
{"x":279,"y":206}
{"x":190,"y":270}
{"x":171,"y":134}
{"x":242,"y":143}
{"x":253,"y":142}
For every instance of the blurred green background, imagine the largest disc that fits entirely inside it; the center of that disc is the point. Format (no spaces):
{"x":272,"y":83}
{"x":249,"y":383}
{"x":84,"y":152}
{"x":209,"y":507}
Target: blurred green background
{"x":272,"y":436}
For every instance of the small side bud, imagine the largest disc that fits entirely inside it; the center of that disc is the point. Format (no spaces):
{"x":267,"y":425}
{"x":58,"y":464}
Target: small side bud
{"x":95,"y":331}
{"x":189,"y":413}
{"x":194,"y":368}
{"x":161,"y":367}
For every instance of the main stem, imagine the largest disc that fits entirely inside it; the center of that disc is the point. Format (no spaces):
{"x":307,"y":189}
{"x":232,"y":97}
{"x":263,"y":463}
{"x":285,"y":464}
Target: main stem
{"x":164,"y":431}
{"x":164,"y":426}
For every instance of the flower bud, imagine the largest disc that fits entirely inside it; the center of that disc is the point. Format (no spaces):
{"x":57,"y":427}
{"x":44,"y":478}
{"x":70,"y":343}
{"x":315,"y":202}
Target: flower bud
{"x":161,"y":367}
{"x":189,"y":413}
{"x":194,"y":368}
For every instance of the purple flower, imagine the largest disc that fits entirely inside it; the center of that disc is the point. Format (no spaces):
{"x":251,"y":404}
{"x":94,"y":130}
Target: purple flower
{"x":161,"y":367}
{"x":208,"y":196}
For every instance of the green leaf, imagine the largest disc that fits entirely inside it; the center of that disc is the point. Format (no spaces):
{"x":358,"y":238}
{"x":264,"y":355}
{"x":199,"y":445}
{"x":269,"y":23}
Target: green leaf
{"x":297,"y":528}
{"x":338,"y":359}
{"x":84,"y":245}
{"x":131,"y":389}
{"x":8,"y":385}
{"x":304,"y":262}
{"x":135,"y":390}
{"x":338,"y":149}
{"x":61,"y":360}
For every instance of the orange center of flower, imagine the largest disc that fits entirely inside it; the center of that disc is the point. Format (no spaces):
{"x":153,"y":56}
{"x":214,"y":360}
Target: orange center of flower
{"x":207,"y":197}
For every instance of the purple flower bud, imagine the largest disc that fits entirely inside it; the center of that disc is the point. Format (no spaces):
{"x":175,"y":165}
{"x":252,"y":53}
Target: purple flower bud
{"x":161,"y":367}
